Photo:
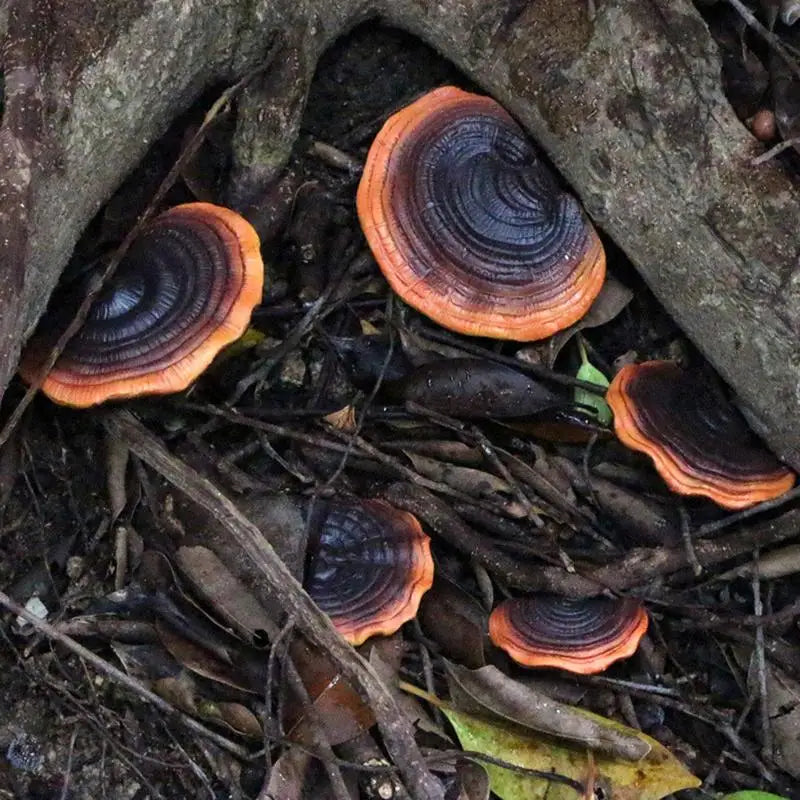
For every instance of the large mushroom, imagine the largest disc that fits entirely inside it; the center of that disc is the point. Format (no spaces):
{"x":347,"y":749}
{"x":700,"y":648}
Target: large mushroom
{"x":583,"y":635}
{"x":700,"y":444}
{"x":470,"y":227}
{"x":185,"y":289}
{"x":369,"y":565}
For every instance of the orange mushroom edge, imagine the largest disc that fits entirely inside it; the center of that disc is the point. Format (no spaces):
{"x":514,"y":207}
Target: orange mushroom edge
{"x":583,"y":635}
{"x":369,"y":566}
{"x":185,"y":289}
{"x":469,"y":226}
{"x":698,"y":441}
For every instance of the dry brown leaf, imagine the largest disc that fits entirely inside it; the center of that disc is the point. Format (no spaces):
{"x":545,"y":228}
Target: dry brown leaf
{"x":611,"y":300}
{"x":225,"y":593}
{"x":202,"y":661}
{"x":340,"y":709}
{"x":455,"y":621}
{"x":147,"y":662}
{"x":343,"y":420}
{"x":441,"y":450}
{"x":473,"y":781}
{"x":234,"y":716}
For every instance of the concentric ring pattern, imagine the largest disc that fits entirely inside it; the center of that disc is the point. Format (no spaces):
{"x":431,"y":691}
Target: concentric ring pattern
{"x":370,"y":564}
{"x":581,"y":635}
{"x":470,"y":227}
{"x":700,"y":444}
{"x":185,"y":289}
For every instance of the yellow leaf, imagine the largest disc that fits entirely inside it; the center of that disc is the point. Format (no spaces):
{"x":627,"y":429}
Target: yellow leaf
{"x":367,"y":328}
{"x":247,"y":341}
{"x":658,"y":774}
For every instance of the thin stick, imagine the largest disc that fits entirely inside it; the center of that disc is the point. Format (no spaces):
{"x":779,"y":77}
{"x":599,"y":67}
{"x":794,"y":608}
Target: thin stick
{"x":775,"y":150}
{"x":761,"y":664}
{"x":688,"y":545}
{"x":740,"y":516}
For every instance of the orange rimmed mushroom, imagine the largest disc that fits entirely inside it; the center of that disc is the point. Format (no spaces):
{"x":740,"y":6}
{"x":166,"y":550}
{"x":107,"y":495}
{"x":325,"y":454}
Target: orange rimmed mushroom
{"x":184,"y":290}
{"x":369,"y":565}
{"x":470,"y":227}
{"x":583,"y":635}
{"x":698,"y":441}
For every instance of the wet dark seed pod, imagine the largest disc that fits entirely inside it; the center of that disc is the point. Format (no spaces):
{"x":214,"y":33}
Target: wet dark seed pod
{"x":366,"y":359}
{"x":474,"y":388}
{"x":559,"y":424}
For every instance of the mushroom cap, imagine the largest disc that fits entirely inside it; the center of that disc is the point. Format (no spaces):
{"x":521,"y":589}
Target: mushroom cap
{"x":581,"y":635}
{"x":370,"y":563}
{"x":700,"y":444}
{"x":184,"y":290}
{"x":470,"y":227}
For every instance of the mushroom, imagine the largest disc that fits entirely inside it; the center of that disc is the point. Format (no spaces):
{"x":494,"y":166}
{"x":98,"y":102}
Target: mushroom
{"x":470,"y":227}
{"x":369,"y":565}
{"x":184,"y":290}
{"x":698,"y":441}
{"x":581,"y":635}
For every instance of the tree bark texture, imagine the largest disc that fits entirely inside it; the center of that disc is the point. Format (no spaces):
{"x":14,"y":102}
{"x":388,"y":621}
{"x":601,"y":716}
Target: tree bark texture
{"x":628,"y":106}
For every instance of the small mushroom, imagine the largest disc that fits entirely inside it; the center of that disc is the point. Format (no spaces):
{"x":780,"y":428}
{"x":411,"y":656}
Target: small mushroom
{"x":581,"y":635}
{"x":700,"y":444}
{"x":470,"y":227}
{"x":369,"y":565}
{"x":184,"y":290}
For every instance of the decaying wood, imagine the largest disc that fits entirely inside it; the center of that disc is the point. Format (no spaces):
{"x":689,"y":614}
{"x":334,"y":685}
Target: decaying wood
{"x":628,"y":105}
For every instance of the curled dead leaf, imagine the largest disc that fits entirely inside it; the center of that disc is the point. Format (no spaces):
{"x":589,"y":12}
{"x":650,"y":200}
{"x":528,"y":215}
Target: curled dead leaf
{"x":489,"y":691}
{"x":343,"y":420}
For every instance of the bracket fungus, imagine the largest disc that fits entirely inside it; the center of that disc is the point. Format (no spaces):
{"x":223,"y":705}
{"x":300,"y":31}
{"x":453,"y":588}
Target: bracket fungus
{"x":369,"y":565}
{"x":583,"y":635}
{"x":184,"y":290}
{"x":699,"y":442}
{"x":470,"y":227}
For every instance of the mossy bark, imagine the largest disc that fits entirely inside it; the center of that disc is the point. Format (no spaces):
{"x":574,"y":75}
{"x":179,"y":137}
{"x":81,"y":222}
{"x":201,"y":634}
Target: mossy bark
{"x":628,"y":106}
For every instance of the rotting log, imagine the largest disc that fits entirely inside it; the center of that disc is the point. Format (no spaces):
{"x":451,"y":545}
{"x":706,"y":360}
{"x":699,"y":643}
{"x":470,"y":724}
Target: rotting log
{"x":628,"y":106}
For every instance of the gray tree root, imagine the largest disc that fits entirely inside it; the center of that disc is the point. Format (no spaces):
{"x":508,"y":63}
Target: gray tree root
{"x":627,"y":105}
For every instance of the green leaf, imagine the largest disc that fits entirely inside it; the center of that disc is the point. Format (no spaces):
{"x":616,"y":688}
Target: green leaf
{"x":589,"y":373}
{"x":656,"y":775}
{"x":753,"y":795}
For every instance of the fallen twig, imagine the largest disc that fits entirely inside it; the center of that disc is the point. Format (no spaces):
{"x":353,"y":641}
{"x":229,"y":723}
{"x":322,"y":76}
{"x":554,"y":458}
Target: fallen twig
{"x":645,"y":563}
{"x":444,"y":522}
{"x":775,"y":150}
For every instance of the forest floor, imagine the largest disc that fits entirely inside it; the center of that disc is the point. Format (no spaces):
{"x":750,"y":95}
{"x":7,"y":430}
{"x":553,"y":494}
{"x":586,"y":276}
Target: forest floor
{"x":67,"y":730}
